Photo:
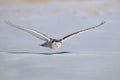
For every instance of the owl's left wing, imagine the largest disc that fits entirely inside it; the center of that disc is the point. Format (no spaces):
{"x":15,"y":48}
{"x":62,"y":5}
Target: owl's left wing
{"x":78,"y":32}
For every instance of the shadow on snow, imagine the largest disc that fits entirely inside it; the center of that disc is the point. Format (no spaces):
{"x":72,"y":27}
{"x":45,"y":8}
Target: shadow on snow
{"x":48,"y":53}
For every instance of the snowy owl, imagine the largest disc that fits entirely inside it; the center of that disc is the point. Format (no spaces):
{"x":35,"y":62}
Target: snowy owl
{"x":50,"y":42}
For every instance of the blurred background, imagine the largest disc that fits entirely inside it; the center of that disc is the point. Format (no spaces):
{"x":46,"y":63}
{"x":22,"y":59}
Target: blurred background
{"x":93,"y":55}
{"x":58,"y":18}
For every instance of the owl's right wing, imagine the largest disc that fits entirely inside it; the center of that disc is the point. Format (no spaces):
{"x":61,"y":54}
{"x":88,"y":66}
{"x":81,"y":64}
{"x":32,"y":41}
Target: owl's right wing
{"x":31,"y":31}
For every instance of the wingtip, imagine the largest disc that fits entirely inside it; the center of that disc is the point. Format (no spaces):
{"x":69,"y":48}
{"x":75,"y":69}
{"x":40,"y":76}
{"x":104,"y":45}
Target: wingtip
{"x":103,"y":22}
{"x":7,"y":22}
{"x":10,"y":23}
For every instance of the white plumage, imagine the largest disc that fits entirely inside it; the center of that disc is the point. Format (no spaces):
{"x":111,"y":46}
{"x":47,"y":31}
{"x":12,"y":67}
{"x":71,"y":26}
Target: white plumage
{"x":49,"y":42}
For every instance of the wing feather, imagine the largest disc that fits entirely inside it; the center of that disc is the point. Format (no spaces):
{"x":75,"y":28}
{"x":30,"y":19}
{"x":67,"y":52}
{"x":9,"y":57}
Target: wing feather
{"x":78,"y":32}
{"x":31,"y":31}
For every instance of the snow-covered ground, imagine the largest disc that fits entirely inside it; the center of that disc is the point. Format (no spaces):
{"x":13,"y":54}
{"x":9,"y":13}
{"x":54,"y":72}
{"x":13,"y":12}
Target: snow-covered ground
{"x":93,"y":55}
{"x":69,"y":66}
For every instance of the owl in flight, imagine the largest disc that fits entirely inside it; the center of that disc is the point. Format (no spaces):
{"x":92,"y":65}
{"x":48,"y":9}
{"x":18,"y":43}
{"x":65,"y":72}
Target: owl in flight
{"x":50,"y":42}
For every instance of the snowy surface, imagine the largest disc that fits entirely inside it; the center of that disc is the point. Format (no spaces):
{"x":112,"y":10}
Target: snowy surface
{"x":69,"y":66}
{"x":93,"y":55}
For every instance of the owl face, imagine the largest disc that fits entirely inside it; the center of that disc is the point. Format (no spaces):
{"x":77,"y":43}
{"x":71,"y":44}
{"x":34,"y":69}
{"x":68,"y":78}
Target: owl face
{"x":56,"y":45}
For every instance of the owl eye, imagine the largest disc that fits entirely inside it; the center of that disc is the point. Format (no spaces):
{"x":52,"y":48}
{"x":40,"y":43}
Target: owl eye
{"x":59,"y":44}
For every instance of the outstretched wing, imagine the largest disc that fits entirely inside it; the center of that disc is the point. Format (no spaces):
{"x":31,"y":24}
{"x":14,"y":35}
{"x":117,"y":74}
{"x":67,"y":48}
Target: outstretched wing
{"x":31,"y":31}
{"x":78,"y":32}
